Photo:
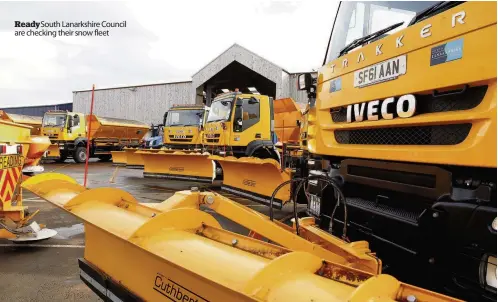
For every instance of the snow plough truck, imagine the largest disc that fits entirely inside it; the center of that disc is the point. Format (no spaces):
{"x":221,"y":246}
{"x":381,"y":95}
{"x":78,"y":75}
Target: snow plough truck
{"x":402,"y":119}
{"x":174,"y":251}
{"x":19,"y":150}
{"x":68,"y":132}
{"x":238,"y":146}
{"x":182,"y":130}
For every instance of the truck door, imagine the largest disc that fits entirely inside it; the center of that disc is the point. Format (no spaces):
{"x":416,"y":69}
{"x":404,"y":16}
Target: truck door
{"x":250,"y":118}
{"x":75,"y":125}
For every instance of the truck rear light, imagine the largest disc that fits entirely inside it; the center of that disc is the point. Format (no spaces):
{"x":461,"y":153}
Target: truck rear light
{"x":19,"y":149}
{"x":3,"y":149}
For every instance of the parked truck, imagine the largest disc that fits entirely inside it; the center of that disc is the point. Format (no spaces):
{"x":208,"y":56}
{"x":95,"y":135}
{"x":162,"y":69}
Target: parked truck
{"x":239,"y":146}
{"x":181,"y":130}
{"x":18,"y":150}
{"x":68,"y":132}
{"x":405,"y":124}
{"x":183,"y":125}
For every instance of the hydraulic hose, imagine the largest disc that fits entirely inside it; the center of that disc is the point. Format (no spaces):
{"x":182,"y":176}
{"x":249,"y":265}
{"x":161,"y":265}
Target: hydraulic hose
{"x":337,"y":194}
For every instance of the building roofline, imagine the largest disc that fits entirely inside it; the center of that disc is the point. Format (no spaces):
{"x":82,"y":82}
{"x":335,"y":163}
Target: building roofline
{"x":133,"y":86}
{"x":250,"y":51}
{"x":33,"y":106}
{"x":292,"y":73}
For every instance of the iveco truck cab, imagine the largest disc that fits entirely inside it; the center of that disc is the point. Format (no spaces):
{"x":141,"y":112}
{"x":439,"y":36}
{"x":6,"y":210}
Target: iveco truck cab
{"x":405,"y":125}
{"x":241,"y":125}
{"x":183,"y":126}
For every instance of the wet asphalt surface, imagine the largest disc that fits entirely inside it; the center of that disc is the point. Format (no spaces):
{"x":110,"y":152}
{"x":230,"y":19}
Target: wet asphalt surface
{"x":48,"y":270}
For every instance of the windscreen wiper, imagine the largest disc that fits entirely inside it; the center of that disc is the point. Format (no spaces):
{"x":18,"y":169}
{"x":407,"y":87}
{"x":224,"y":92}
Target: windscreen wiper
{"x":368,"y":38}
{"x":433,"y":10}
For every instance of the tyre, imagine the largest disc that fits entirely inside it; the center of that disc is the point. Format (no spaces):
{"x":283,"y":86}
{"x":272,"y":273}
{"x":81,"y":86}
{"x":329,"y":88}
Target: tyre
{"x":80,"y":154}
{"x":106,"y":157}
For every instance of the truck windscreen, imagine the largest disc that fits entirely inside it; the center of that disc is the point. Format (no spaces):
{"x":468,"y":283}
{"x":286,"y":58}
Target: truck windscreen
{"x":184,"y":118}
{"x":357,"y":19}
{"x":54,"y":120}
{"x":220,"y":110}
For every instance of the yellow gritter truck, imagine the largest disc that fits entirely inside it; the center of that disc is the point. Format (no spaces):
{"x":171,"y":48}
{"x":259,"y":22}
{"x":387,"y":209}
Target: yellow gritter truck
{"x":18,"y":150}
{"x":68,"y":132}
{"x":405,"y":123}
{"x":183,"y":126}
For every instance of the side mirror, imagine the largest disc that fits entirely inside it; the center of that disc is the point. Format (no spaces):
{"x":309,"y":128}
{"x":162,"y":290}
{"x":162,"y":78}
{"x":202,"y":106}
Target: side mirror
{"x":70,"y":122}
{"x":253,"y":100}
{"x":237,"y":118}
{"x":304,"y":81}
{"x":164,"y":118}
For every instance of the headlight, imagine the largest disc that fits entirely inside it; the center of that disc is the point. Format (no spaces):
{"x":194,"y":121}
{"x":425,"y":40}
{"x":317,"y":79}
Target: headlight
{"x":488,"y":271}
{"x":494,"y":224}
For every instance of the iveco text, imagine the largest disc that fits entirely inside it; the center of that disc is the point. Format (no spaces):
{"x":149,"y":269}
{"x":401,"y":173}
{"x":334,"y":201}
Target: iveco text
{"x":390,"y":108}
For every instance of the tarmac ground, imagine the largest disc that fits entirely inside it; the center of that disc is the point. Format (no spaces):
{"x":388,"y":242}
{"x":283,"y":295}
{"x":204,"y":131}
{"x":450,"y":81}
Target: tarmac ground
{"x":48,"y":270}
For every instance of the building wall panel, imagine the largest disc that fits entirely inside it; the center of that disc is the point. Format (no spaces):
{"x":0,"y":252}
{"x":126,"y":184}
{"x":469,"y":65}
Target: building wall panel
{"x":142,"y":103}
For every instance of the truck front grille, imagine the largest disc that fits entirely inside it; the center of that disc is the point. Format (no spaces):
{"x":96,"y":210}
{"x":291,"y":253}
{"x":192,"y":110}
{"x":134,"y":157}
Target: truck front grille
{"x":188,"y":138}
{"x":212,"y":138}
{"x":430,"y":103}
{"x":417,"y":135}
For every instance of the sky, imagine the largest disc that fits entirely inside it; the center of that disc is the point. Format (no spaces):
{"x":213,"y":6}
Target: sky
{"x":164,"y":41}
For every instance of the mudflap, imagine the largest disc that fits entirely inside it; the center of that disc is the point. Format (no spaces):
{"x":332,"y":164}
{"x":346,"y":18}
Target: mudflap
{"x":178,"y":165}
{"x":53,"y":152}
{"x":118,"y":158}
{"x":255,"y":179}
{"x":101,"y":284}
{"x":133,"y":159}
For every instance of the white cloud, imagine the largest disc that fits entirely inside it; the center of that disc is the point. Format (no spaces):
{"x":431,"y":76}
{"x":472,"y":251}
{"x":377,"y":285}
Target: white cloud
{"x":291,"y":34}
{"x":164,"y":41}
{"x":28,"y":48}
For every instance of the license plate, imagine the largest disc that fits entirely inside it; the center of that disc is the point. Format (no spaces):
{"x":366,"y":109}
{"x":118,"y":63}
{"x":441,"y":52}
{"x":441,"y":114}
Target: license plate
{"x":381,"y":72}
{"x":314,"y":204}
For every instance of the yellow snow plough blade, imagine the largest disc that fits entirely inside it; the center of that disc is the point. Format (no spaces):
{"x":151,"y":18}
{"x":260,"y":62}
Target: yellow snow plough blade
{"x":179,"y":165}
{"x":172,"y":251}
{"x":133,"y":160}
{"x":254,"y":178}
{"x":118,"y":158}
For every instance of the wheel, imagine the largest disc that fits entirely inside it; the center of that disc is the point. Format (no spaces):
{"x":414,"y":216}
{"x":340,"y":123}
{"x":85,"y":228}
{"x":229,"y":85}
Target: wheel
{"x":106,"y":157}
{"x":62,"y":158}
{"x":80,"y":154}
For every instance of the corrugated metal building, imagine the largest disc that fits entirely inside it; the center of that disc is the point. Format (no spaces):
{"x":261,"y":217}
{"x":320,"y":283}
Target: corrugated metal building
{"x":38,"y":110}
{"x":236,"y":67}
